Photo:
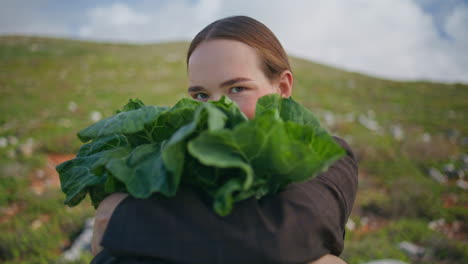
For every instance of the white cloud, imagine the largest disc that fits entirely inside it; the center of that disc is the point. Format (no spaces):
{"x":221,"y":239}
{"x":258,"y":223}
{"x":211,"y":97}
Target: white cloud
{"x":16,"y":17}
{"x":107,"y":22}
{"x":389,"y":38}
{"x":156,"y":21}
{"x":121,"y":15}
{"x":457,"y":25}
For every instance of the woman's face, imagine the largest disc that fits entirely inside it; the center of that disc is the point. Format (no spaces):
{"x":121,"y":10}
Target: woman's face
{"x":231,"y":68}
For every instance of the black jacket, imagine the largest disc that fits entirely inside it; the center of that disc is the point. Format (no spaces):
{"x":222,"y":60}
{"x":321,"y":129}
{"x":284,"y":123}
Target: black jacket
{"x":298,"y":225}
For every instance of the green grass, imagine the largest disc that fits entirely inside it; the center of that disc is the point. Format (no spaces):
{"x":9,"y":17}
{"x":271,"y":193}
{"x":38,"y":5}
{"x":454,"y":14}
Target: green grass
{"x":41,"y":77}
{"x":384,"y":244}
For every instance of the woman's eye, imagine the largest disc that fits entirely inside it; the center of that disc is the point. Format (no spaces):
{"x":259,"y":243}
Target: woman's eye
{"x":200,"y":96}
{"x":237,"y":89}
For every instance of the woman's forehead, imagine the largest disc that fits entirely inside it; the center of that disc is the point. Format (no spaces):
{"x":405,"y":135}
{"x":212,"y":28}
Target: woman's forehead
{"x":223,"y":57}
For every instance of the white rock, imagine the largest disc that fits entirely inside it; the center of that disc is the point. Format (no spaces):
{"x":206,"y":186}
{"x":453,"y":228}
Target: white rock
{"x":27,"y":148}
{"x":465,"y":158}
{"x":81,"y":243}
{"x":95,"y":116}
{"x":34,"y":47}
{"x":350,"y":225}
{"x":461,"y":174}
{"x":365,"y":220}
{"x":64,"y":122}
{"x":62,"y":75}
{"x":434,"y":225}
{"x":397,"y":132}
{"x":3,"y":142}
{"x":368,"y":123}
{"x":452,"y":114}
{"x":72,"y":106}
{"x":451,"y":171}
{"x":426,"y":137}
{"x":40,"y":174}
{"x":329,"y":118}
{"x":449,"y":167}
{"x":36,"y":224}
{"x":436,"y":175}
{"x":462,"y":184}
{"x":411,"y":249}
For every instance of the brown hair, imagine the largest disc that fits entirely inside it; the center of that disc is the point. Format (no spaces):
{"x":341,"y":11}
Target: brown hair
{"x":252,"y":33}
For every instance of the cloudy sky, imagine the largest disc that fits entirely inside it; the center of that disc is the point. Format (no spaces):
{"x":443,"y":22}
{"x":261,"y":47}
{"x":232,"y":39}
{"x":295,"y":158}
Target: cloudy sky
{"x":397,"y":39}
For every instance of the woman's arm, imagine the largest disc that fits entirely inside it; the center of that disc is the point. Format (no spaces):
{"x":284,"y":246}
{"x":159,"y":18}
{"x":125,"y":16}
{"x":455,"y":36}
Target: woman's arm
{"x":303,"y":223}
{"x":103,"y":214}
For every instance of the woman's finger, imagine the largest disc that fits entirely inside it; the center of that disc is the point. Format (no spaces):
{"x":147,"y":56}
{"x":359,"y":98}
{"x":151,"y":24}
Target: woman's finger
{"x":328,"y":259}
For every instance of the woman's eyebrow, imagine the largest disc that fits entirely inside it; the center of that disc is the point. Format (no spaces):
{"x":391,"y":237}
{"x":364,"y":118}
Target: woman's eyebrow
{"x":198,"y":88}
{"x":194,"y":89}
{"x":233,"y":81}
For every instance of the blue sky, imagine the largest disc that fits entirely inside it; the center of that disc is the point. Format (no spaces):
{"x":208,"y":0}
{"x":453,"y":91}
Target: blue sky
{"x":397,"y":39}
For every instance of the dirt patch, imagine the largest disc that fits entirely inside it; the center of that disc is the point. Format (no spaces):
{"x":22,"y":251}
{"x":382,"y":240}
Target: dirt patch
{"x":40,"y":180}
{"x":371,"y":224}
{"x":44,"y":178}
{"x":450,"y":200}
{"x":40,"y":221}
{"x":7,"y":213}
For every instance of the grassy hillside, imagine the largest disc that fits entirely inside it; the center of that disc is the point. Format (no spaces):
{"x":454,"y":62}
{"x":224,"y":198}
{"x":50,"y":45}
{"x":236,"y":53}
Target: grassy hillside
{"x":51,"y":88}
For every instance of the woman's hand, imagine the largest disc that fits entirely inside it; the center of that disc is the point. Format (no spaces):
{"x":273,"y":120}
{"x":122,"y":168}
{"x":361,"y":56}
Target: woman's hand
{"x":103,"y":215}
{"x":328,"y":259}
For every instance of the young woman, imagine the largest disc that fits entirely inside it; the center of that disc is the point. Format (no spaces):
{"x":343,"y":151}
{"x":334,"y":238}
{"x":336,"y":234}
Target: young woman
{"x":241,"y":58}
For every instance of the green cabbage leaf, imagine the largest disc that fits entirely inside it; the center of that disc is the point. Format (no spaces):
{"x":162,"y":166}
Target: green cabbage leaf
{"x":145,"y":149}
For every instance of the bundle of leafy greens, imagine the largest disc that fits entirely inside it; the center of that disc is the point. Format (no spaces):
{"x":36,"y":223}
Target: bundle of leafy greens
{"x":145,"y":149}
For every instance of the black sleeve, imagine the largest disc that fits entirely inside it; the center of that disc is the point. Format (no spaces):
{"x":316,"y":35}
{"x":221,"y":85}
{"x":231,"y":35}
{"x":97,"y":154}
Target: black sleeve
{"x":298,"y":225}
{"x":105,"y":257}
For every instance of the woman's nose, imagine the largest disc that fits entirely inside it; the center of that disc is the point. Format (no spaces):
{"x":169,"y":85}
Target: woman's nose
{"x":216,"y":97}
